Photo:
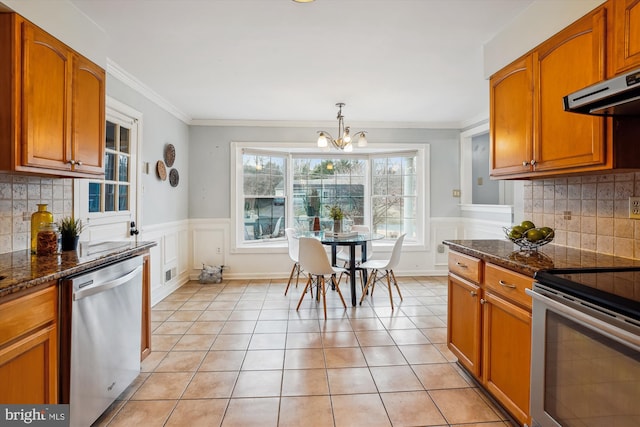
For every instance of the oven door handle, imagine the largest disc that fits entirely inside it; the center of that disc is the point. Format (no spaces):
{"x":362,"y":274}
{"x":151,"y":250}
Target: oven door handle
{"x":625,"y":338}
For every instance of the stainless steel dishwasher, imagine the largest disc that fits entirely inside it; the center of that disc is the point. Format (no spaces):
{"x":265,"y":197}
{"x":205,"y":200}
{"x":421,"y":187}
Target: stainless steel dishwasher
{"x":103,"y":334}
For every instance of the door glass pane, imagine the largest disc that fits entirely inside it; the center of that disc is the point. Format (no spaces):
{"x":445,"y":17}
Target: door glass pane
{"x":109,"y":197}
{"x":109,"y":166}
{"x":123,"y":168}
{"x":123,"y":197}
{"x":111,"y":135}
{"x":124,"y":140}
{"x":94,"y":197}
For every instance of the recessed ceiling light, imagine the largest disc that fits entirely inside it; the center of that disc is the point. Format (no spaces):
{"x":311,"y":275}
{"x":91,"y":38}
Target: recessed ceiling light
{"x":303,"y":1}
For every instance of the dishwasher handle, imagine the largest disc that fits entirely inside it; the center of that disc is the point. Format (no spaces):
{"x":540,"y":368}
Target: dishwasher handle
{"x":91,"y":290}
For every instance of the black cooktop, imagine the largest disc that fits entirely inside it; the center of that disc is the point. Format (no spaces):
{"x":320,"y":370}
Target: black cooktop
{"x":614,"y":288}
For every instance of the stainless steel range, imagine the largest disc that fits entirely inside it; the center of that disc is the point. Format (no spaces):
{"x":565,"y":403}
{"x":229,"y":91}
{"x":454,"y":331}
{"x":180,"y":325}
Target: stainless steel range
{"x":585,"y":361}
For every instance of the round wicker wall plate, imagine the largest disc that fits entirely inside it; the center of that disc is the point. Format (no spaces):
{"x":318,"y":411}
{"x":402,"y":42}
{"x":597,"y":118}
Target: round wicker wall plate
{"x":174,"y":177}
{"x":161,"y":170}
{"x":169,"y":154}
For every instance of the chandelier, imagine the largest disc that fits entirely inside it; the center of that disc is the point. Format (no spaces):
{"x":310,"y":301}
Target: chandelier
{"x":344,"y":141}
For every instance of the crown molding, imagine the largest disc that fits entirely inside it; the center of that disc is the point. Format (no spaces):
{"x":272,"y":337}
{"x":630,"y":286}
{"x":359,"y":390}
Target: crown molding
{"x":126,"y":78}
{"x":326,"y":124}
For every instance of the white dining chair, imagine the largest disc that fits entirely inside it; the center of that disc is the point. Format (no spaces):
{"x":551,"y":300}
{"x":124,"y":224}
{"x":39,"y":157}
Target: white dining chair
{"x":314,"y":261}
{"x":293,"y":244}
{"x":387,"y":265}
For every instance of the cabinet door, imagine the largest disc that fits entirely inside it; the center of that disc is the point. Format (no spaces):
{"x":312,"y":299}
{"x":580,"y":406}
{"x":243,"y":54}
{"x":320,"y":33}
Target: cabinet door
{"x":511,"y":118}
{"x":28,"y":369}
{"x":571,"y":60}
{"x":88,"y":116}
{"x":463,"y":323}
{"x":46,"y":98}
{"x":506,"y":354}
{"x":626,"y":35}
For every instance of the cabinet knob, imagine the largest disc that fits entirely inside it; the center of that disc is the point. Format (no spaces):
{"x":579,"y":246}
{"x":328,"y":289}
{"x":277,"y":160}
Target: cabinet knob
{"x":525,"y":163}
{"x":533,"y":162}
{"x":461,"y":265}
{"x":72,"y":162}
{"x":473,"y":293}
{"x":79,"y":163}
{"x":506,"y":285}
{"x":483,"y":301}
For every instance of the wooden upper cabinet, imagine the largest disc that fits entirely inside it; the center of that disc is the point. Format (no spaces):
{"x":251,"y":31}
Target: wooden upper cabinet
{"x":625,"y":35}
{"x":88,"y":109}
{"x":569,"y":61}
{"x":52,"y":104}
{"x":46,"y":79}
{"x":511,"y":126}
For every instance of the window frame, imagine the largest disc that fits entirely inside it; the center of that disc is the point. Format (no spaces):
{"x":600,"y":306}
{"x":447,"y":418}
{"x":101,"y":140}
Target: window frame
{"x":290,"y":150}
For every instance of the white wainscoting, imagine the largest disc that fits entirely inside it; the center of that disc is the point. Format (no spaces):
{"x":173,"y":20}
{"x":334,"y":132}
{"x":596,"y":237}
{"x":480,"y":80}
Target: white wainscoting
{"x":169,"y":258}
{"x":210,"y":243}
{"x":184,"y":246}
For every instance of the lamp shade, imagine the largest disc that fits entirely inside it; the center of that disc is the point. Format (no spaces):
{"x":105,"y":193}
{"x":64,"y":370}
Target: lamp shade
{"x":362,"y":140}
{"x":322,"y":140}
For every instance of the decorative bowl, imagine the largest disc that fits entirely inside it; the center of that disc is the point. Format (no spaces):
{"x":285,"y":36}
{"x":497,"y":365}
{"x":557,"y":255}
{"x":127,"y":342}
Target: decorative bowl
{"x":526,"y":245}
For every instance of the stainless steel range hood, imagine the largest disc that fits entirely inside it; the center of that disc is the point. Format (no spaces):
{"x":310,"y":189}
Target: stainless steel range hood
{"x":619,"y":96}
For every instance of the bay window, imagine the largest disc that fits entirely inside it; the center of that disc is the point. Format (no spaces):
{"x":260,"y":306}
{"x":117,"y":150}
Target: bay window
{"x":282,"y":187}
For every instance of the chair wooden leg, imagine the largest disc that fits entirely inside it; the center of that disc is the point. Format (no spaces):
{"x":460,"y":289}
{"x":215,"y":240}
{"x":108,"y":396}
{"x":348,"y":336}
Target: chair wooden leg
{"x":337,"y":285}
{"x":366,"y":286}
{"x":293,"y":270}
{"x":304,"y":292}
{"x":324,"y":296}
{"x":395,"y":282}
{"x":389,"y":288}
{"x":298,"y":273}
{"x":374,"y":281}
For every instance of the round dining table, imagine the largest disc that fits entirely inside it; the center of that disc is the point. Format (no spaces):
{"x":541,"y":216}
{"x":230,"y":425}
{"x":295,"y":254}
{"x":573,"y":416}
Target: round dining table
{"x":351,"y":241}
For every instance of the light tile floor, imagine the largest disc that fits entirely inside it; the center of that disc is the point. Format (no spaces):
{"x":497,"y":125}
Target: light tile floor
{"x":239,"y":354}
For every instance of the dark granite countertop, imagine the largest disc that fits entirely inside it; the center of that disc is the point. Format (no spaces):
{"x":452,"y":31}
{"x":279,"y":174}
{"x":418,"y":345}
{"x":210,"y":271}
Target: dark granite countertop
{"x":22,"y":271}
{"x":506,"y":254}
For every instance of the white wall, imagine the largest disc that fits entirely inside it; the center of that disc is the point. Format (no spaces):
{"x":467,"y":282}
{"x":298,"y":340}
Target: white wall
{"x":65,"y":22}
{"x":541,"y":20}
{"x":210,"y":174}
{"x":161,"y":203}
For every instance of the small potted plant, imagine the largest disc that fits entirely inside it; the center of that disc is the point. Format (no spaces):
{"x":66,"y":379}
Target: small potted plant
{"x":70,"y":230}
{"x":337,"y":214}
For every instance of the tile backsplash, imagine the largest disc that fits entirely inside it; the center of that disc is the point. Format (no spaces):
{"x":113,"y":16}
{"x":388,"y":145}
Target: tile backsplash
{"x":19,"y":197}
{"x":587,"y":212}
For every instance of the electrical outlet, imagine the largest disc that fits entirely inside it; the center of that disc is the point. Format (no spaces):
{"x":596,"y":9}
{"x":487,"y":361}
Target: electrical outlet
{"x":218,"y":250}
{"x":456,"y":193}
{"x":634,"y":207}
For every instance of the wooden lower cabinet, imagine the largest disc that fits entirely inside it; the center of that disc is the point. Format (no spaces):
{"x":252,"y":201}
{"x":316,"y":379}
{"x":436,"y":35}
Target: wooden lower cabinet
{"x":506,"y":354}
{"x":29,"y":349}
{"x":489,"y":331}
{"x":463,"y":328}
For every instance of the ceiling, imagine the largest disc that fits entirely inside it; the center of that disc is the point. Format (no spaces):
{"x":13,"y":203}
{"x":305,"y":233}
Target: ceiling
{"x":415,"y":62}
